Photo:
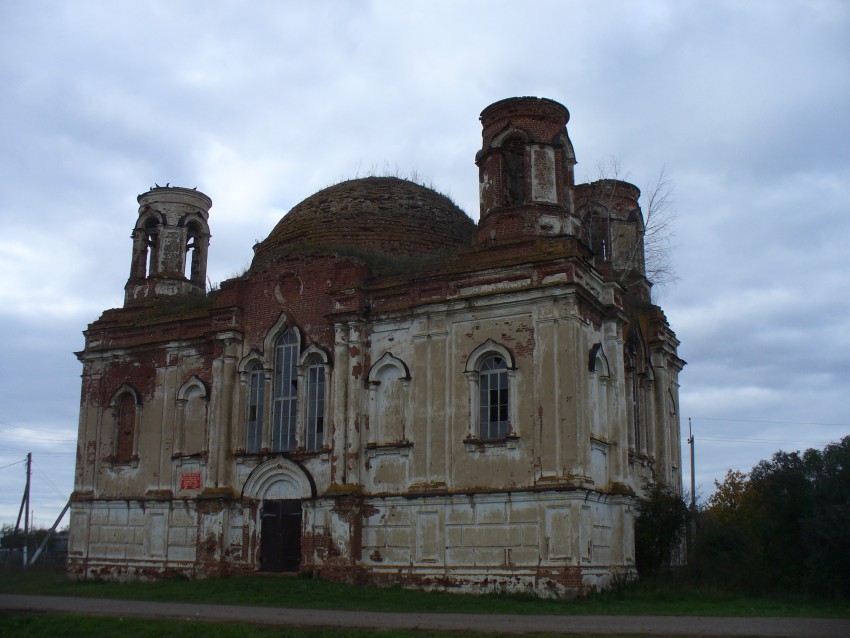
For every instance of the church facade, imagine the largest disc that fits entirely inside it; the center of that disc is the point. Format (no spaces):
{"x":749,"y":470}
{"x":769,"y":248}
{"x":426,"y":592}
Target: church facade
{"x":391,"y":393}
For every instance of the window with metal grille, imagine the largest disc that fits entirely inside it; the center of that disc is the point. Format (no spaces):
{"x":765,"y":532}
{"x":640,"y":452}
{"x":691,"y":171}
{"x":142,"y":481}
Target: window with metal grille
{"x":285,"y":391}
{"x":493,"y":398}
{"x":256,"y":396}
{"x":315,"y":403}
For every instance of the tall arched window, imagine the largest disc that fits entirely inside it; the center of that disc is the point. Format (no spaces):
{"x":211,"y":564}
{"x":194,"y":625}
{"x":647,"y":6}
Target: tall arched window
{"x":256,"y":399}
{"x":193,"y":254}
{"x":151,"y":236}
{"x":637,"y":374}
{"x":492,"y":376}
{"x":493,"y":398}
{"x":600,"y":377}
{"x":635,"y":397}
{"x":315,"y":402}
{"x":126,"y":405}
{"x":285,"y":391}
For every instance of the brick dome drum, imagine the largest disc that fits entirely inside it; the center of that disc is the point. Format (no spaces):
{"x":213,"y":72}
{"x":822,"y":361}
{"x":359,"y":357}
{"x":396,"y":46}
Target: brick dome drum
{"x":376,"y":215}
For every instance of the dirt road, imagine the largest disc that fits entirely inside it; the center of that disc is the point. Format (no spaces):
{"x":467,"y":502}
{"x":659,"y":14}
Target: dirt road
{"x":506,"y":624}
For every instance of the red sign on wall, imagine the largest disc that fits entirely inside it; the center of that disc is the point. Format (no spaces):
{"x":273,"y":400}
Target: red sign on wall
{"x":190,"y":481}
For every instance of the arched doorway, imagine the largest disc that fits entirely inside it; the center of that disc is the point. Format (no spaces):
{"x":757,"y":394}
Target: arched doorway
{"x":280,"y":485}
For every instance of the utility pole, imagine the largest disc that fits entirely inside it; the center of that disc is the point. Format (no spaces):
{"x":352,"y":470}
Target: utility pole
{"x":692,"y":443}
{"x":693,"y":471}
{"x":25,"y":508}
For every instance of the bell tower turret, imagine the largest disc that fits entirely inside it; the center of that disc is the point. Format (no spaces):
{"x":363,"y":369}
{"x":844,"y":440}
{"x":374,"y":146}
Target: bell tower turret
{"x":170,"y":243}
{"x":526,"y":175}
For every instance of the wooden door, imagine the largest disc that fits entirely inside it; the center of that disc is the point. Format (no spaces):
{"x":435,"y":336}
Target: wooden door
{"x":280,"y":536}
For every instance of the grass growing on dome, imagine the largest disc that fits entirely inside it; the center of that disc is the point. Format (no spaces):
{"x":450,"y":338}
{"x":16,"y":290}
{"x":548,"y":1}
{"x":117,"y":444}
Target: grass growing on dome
{"x":413,"y":176}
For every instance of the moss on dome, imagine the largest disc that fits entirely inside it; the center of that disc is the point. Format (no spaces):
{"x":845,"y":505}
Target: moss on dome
{"x":384,"y":216}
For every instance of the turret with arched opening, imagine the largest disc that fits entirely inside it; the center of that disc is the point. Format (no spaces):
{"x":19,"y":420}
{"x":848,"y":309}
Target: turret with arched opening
{"x":170,"y":243}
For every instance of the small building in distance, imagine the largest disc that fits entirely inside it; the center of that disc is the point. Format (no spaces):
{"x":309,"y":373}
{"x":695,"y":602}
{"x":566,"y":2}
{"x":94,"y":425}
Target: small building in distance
{"x":391,"y":393}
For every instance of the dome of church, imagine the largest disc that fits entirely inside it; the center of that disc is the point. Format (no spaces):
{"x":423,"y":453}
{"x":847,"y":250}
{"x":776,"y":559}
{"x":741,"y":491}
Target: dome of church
{"x":374,"y":215}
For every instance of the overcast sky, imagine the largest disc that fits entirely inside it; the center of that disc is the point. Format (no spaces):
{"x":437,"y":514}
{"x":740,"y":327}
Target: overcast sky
{"x":746,"y":105}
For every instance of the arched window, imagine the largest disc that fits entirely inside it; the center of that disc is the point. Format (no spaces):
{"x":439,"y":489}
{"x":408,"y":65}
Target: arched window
{"x":315,"y":402}
{"x":493,"y":403}
{"x":193,"y":252}
{"x":638,"y":372}
{"x":151,"y":235}
{"x":297,"y":397}
{"x":256,"y":400}
{"x":492,"y":376}
{"x":635,"y":396}
{"x":126,"y":414}
{"x":600,"y":377}
{"x":285,"y":392}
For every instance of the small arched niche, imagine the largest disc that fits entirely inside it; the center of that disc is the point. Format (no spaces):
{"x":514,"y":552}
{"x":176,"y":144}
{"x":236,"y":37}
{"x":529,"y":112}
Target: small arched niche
{"x":389,"y":379}
{"x":192,"y":403}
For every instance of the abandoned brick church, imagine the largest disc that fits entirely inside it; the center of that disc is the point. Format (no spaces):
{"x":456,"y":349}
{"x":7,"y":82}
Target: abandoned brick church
{"x":391,"y":393}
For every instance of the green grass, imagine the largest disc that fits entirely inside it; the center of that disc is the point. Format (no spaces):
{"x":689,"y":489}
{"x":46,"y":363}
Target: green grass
{"x":31,"y":625}
{"x":638,"y":599}
{"x":52,"y":625}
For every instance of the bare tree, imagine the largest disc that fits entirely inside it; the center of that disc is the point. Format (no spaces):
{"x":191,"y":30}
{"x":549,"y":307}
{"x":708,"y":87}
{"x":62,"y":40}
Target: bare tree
{"x":659,"y":230}
{"x":651,"y":248}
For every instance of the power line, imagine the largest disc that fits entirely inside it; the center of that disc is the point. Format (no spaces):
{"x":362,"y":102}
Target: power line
{"x":52,"y":484}
{"x":708,"y":418}
{"x":15,"y":463}
{"x":36,"y":438}
{"x":745,"y":440}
